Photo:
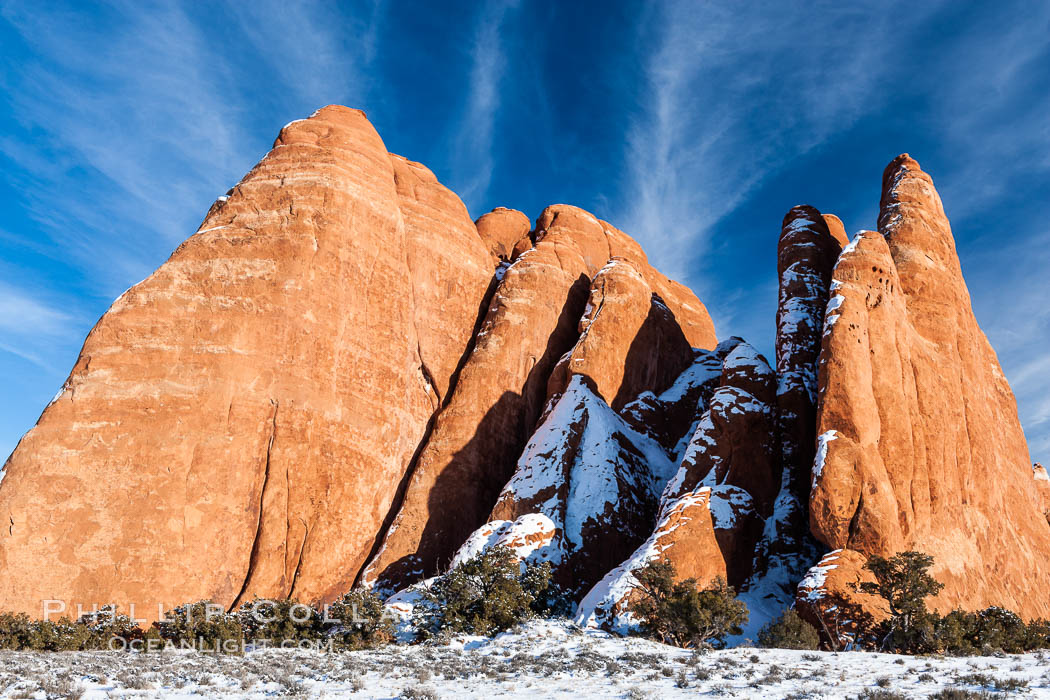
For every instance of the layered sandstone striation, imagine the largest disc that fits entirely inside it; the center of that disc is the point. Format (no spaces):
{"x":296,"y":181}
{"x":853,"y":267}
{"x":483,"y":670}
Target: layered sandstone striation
{"x":919,"y":444}
{"x":238,"y":423}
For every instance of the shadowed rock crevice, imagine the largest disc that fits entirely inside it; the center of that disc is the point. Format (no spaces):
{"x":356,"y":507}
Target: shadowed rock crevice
{"x":473,"y":475}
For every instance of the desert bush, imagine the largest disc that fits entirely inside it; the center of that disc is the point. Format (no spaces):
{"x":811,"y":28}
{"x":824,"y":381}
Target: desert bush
{"x":904,"y":582}
{"x":881,"y":694}
{"x":203,"y":625}
{"x":960,"y":694}
{"x":19,"y":632}
{"x":789,"y":631}
{"x":487,"y":594}
{"x":680,"y":613}
{"x":989,"y":631}
{"x":362,"y":622}
{"x":276,"y":622}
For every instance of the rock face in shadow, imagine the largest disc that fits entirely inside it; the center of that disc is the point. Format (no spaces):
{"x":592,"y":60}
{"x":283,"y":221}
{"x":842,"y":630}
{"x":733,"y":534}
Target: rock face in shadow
{"x":713,"y":511}
{"x":629,"y":341}
{"x":590,"y":474}
{"x":534,"y":319}
{"x":237,"y":424}
{"x":919,"y":442}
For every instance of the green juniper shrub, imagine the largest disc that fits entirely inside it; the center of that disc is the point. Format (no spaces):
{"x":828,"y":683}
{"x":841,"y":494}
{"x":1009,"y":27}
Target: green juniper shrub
{"x":789,"y":631}
{"x":904,"y":582}
{"x":360,"y":620}
{"x":95,"y":631}
{"x":65,"y":635}
{"x":989,"y":631}
{"x":957,"y":633}
{"x":486,"y":594}
{"x":204,"y":626}
{"x":1000,"y":630}
{"x":16,"y":631}
{"x":1038,"y":635}
{"x":680,"y":613}
{"x":280,"y":622}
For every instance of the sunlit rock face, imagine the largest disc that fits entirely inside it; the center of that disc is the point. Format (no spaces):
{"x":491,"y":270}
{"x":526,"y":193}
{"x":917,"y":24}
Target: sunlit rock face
{"x":583,"y":299}
{"x":238,"y":423}
{"x":919,"y":444}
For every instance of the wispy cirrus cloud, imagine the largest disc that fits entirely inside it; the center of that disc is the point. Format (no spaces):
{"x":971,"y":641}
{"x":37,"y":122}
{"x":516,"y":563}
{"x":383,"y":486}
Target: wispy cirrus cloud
{"x":28,"y":324}
{"x":473,"y":145}
{"x":152,"y":115}
{"x":734,"y":95}
{"x":731,"y":94}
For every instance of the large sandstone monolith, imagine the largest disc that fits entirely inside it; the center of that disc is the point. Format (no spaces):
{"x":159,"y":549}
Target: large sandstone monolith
{"x":806,"y":255}
{"x":238,"y":423}
{"x":532,"y":322}
{"x":919,"y":442}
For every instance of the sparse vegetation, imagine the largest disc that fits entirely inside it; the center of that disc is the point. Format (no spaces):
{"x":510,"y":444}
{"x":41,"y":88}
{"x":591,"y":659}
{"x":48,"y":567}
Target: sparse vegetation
{"x":680,"y":613}
{"x":789,"y":631}
{"x":486,"y":594}
{"x":904,"y":582}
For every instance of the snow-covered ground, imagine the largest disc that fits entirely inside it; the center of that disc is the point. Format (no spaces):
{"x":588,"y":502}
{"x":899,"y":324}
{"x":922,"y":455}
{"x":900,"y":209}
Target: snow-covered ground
{"x":543,"y":659}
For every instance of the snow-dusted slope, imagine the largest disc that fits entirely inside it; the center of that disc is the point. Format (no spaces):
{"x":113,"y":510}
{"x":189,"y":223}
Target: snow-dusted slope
{"x":584,"y":473}
{"x":543,"y":659}
{"x":714,"y":510}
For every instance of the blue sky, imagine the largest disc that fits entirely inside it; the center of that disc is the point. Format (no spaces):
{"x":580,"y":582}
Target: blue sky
{"x":694,"y":126}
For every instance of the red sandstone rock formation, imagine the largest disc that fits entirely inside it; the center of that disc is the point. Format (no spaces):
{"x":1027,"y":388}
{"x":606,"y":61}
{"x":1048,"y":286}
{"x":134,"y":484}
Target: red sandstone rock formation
{"x":836,"y":229}
{"x":827,"y":599}
{"x":589,"y":474}
{"x":919,"y":441}
{"x":501,"y":230}
{"x":1042,"y":487}
{"x":532,"y":322}
{"x":237,"y":424}
{"x":713,"y":511}
{"x":339,"y":377}
{"x":629,"y":341}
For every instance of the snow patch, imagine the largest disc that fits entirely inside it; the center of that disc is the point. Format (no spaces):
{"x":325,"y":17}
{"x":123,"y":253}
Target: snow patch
{"x":850,"y":247}
{"x":213,"y":228}
{"x":726,"y":502}
{"x":822,"y":453}
{"x":813,"y":582}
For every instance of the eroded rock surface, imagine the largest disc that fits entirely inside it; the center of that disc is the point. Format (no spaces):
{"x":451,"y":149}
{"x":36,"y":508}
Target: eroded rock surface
{"x":533,"y":320}
{"x":713,"y":511}
{"x":237,"y":424}
{"x":501,"y":229}
{"x":919,"y":441}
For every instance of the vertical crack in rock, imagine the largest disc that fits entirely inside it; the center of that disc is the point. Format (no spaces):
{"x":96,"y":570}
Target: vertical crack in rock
{"x":254,"y":556}
{"x":406,"y":479}
{"x":299,"y":561}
